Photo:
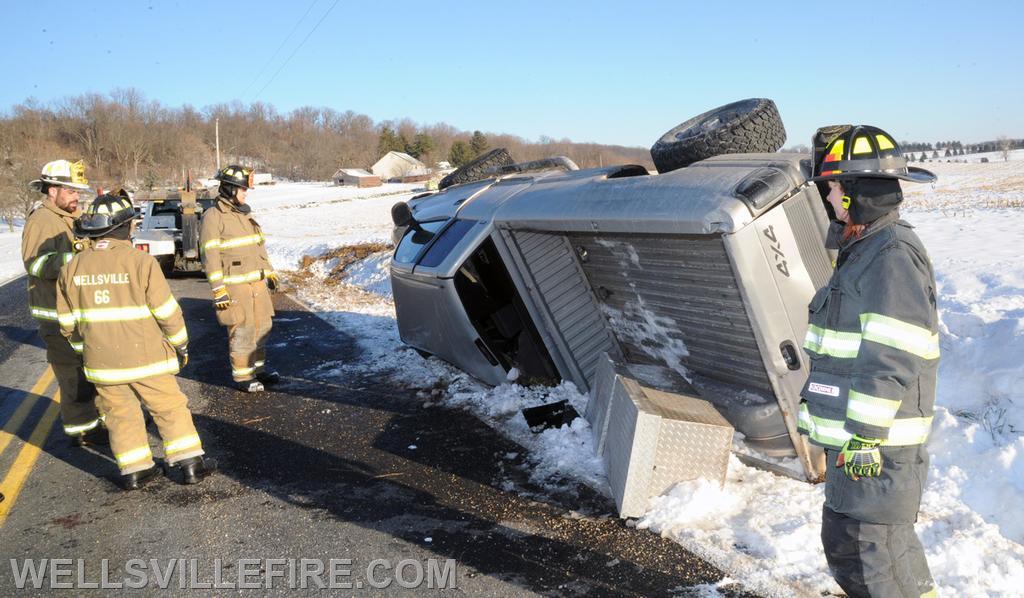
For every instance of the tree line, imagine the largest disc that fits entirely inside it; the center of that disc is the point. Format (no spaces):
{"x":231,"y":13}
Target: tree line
{"x":128,"y":140}
{"x":957,"y":148}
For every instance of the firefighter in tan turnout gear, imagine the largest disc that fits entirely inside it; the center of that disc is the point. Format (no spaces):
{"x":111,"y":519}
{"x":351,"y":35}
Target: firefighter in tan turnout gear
{"x":114,"y":303}
{"x":46,"y":245}
{"x":240,"y":275}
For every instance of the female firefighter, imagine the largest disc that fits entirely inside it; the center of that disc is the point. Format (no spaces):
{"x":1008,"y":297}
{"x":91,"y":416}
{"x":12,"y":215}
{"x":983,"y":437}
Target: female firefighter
{"x":874,"y":348}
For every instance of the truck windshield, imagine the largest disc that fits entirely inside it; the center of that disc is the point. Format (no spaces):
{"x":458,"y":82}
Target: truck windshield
{"x":173,"y":206}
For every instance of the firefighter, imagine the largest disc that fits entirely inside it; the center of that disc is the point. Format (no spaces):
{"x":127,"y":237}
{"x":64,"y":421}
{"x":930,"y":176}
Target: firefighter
{"x":47,"y":244}
{"x":240,"y":276}
{"x":874,"y":348}
{"x":114,"y":302}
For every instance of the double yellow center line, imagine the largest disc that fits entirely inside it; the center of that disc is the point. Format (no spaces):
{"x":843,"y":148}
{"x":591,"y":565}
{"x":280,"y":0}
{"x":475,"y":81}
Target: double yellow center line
{"x":15,"y":479}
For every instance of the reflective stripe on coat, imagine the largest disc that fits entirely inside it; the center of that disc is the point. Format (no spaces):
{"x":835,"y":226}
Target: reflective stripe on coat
{"x":873,"y":342}
{"x":114,"y":302}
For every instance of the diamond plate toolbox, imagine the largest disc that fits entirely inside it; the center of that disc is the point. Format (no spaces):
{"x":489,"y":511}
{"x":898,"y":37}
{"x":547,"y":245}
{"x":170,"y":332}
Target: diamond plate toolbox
{"x":652,"y":439}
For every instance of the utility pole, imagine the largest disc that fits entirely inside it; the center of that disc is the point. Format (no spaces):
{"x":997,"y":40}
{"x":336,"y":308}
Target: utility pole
{"x":216,"y":136}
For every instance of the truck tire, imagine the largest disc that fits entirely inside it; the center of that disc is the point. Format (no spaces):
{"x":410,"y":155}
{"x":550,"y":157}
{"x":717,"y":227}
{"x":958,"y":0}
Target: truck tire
{"x":166,"y":264}
{"x":479,"y":168}
{"x":747,"y":126}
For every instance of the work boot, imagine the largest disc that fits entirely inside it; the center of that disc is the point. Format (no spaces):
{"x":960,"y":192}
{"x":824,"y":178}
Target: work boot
{"x":138,"y":479}
{"x":96,"y":436}
{"x":194,"y":469}
{"x":268,"y":378}
{"x":253,"y":385}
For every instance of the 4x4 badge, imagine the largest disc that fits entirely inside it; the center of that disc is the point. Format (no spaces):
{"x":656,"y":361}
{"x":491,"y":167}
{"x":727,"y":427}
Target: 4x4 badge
{"x":780,"y":258}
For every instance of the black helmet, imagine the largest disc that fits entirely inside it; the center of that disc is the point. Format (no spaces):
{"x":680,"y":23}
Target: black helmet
{"x":863,"y":151}
{"x":236,"y":175}
{"x":106,"y":213}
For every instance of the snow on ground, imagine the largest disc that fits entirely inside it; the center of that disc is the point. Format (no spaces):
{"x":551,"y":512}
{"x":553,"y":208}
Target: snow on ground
{"x":311,"y":218}
{"x":762,"y":530}
{"x":11,"y":265}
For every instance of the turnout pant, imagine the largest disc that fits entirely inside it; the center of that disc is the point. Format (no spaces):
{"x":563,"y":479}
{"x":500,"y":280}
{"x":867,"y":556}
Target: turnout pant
{"x":169,"y":407}
{"x":867,"y":527}
{"x":77,"y":395}
{"x":248,"y":321}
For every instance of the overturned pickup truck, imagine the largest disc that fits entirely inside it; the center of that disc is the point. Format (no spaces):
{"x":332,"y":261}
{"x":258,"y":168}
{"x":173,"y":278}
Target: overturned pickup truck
{"x":705,"y":269}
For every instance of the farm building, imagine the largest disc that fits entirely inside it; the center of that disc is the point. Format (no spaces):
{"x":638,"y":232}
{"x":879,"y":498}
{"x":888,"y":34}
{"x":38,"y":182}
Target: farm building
{"x":355,"y":177}
{"x":395,"y":165}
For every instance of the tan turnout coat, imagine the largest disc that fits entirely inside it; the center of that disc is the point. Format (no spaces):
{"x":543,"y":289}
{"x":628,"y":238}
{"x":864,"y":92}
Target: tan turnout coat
{"x":46,"y":244}
{"x":234,"y":254}
{"x":116,"y":308}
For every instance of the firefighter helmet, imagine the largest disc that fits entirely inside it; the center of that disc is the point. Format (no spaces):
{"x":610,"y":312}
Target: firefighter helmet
{"x":63,"y":173}
{"x":106,"y":213}
{"x":864,"y":151}
{"x":236,"y":175}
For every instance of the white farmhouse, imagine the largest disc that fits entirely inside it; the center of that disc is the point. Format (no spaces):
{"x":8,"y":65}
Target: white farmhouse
{"x":395,"y":165}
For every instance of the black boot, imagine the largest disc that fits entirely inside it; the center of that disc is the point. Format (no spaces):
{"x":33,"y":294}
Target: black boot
{"x":96,"y":436}
{"x":194,"y":469}
{"x":253,"y":385}
{"x":268,"y":378}
{"x":138,"y":479}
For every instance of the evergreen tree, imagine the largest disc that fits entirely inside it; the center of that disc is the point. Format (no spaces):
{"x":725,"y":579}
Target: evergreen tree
{"x":422,"y":145}
{"x":459,"y":154}
{"x":478,"y":144}
{"x":388,"y":141}
{"x":935,"y":154}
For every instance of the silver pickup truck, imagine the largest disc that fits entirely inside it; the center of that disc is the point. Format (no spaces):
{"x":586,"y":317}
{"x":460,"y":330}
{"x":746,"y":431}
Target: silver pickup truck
{"x":706,"y":270}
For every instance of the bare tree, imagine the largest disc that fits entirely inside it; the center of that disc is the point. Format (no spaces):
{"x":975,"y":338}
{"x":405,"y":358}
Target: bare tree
{"x":1005,"y":144}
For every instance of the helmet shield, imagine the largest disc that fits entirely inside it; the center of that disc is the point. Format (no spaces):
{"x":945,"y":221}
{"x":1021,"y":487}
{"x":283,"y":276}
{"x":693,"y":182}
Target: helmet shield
{"x":62,"y":173}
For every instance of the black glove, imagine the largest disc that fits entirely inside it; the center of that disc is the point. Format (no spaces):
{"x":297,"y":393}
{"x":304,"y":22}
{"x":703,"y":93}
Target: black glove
{"x":273,"y":282}
{"x":221,"y":300}
{"x":182,"y":357}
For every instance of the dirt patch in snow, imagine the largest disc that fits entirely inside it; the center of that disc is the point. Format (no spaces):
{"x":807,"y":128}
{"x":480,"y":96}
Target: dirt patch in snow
{"x":331,"y":265}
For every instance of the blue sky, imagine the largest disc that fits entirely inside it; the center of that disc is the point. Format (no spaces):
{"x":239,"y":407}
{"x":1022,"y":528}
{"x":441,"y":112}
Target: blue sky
{"x":610,"y":72}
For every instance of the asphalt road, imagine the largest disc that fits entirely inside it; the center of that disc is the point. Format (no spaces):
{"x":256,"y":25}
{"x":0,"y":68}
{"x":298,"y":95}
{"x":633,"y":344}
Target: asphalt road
{"x":318,"y":469}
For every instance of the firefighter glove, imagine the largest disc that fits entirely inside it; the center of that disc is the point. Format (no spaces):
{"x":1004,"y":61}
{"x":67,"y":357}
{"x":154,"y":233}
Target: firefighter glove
{"x":273,"y":282}
{"x":182,"y":357}
{"x":860,"y":457}
{"x":221,"y":300}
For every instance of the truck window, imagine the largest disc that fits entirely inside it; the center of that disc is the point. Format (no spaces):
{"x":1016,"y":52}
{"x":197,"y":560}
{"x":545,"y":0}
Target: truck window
{"x":446,"y":242}
{"x":415,"y":239}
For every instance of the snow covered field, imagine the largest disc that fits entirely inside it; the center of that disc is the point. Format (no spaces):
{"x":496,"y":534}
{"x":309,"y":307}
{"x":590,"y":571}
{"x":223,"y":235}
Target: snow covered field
{"x":762,"y":530}
{"x":10,"y":253}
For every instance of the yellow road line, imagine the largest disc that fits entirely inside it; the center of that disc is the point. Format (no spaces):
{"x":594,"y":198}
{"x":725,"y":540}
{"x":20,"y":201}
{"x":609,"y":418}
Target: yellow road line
{"x":27,"y":403}
{"x":26,"y":459}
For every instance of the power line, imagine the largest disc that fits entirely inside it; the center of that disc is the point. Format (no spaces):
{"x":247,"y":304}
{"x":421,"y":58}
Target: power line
{"x":278,"y":50}
{"x":285,"y":63}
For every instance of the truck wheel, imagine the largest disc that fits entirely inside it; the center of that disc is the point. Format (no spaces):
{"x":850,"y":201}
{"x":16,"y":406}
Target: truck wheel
{"x":166,"y":264}
{"x":477,"y":169}
{"x":747,"y":126}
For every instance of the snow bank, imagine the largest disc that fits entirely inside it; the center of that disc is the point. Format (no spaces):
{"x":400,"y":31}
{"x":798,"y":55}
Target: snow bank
{"x":763,"y":530}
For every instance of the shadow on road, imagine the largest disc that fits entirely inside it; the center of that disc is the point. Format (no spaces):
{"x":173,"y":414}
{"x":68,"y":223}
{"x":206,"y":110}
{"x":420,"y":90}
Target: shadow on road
{"x":366,"y":452}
